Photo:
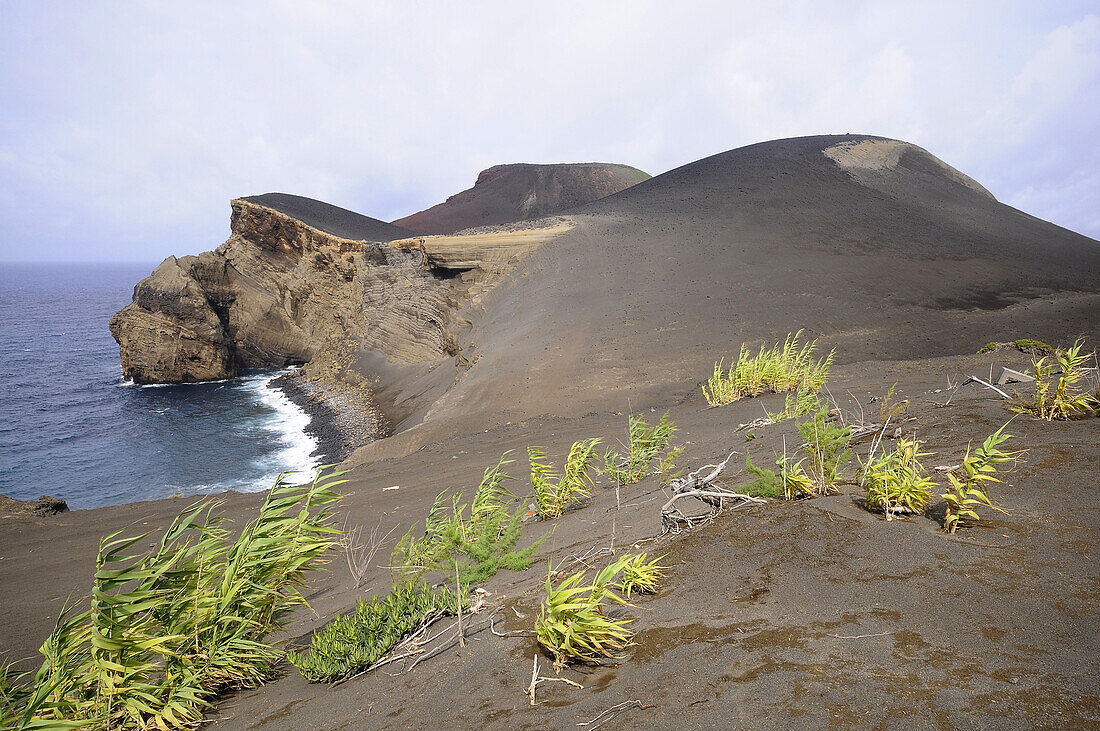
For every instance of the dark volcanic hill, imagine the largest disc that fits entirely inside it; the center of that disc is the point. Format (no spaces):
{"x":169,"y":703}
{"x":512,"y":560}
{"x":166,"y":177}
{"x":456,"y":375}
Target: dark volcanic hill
{"x":874,"y":245}
{"x":329,"y":218}
{"x":519,"y":192}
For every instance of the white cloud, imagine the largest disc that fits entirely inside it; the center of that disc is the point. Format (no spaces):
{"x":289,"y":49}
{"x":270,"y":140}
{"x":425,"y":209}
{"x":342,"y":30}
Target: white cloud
{"x":138,"y":122}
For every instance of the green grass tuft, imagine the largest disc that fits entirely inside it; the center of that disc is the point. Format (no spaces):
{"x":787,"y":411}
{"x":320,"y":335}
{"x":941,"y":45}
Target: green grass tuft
{"x":646,"y":443}
{"x":896,"y":482}
{"x":789,"y":366}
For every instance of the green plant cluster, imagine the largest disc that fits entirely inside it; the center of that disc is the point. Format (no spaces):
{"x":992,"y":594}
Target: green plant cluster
{"x":466,"y":542}
{"x":554,"y":493}
{"x":796,"y":405}
{"x":167,"y":629}
{"x":1024,"y":345}
{"x":354,"y":641}
{"x":646,"y":443}
{"x":828,"y":449}
{"x":573,"y":624}
{"x":474,"y":539}
{"x":896,"y":481}
{"x":789,"y":366}
{"x":970,"y":492}
{"x":1060,"y":398}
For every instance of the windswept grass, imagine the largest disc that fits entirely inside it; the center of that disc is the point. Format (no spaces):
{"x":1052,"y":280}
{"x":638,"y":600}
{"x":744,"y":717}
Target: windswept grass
{"x":645,"y":445}
{"x":789,"y":366}
{"x":554,"y":493}
{"x":165,"y":630}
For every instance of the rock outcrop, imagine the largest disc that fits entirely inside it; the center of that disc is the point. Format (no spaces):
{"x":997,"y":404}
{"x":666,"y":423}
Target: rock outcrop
{"x":280,"y":291}
{"x":523,"y":192}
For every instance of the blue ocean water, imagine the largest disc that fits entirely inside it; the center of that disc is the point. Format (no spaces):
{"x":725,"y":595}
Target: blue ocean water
{"x":72,"y":428}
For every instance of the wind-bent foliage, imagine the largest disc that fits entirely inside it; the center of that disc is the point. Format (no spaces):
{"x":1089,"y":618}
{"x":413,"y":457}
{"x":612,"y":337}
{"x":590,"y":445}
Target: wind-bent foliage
{"x":645,"y":444}
{"x":554,"y":494}
{"x":971,"y":491}
{"x":1061,"y":399}
{"x":789,"y":366}
{"x":572,"y":623}
{"x":354,"y":641}
{"x":896,"y":482}
{"x":167,"y":630}
{"x":639,"y":575}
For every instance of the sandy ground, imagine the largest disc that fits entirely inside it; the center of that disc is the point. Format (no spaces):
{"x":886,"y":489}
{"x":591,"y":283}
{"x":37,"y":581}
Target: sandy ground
{"x":789,"y":614}
{"x":794,"y":614}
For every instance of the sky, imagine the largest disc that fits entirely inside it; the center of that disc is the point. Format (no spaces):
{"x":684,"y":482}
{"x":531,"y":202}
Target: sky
{"x":126,"y":128}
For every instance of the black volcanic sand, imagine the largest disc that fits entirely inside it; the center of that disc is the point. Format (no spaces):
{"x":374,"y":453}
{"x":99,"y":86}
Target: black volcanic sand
{"x":792,"y":614}
{"x":789,"y":614}
{"x":341,"y":419}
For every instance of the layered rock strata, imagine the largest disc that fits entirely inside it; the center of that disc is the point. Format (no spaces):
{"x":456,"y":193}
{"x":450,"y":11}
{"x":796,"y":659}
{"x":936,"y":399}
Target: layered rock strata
{"x":279,"y":292}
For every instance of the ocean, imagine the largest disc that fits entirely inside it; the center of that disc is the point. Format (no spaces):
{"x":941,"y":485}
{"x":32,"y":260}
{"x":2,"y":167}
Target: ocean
{"x":71,"y":427}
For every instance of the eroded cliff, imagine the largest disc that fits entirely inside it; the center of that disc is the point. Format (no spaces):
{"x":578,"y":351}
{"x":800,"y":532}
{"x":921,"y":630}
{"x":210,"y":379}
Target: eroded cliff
{"x":279,"y":292}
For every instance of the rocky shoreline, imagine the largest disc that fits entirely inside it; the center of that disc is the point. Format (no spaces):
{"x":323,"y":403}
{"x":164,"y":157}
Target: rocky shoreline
{"x":341,"y":416}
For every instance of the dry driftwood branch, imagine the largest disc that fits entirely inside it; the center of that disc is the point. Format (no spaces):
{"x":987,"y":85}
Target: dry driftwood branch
{"x":973,"y":379}
{"x":610,"y":712}
{"x":701,"y":487}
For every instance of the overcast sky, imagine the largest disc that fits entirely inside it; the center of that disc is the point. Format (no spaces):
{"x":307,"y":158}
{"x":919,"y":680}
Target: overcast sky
{"x":126,"y":128}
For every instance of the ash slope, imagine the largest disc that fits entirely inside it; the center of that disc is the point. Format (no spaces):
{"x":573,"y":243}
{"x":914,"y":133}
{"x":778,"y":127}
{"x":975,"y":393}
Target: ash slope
{"x":874,"y":245}
{"x":329,"y":218}
{"x":522,"y":191}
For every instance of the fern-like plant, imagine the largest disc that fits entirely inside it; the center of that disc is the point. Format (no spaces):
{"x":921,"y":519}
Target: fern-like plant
{"x":828,"y":448}
{"x":971,"y":491}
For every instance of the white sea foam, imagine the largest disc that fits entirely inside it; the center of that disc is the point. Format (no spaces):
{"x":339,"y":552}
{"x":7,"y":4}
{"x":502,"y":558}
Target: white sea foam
{"x":287,"y":426}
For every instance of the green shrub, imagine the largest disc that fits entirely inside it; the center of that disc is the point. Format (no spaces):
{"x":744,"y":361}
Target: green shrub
{"x":475,"y":539}
{"x":168,"y":629}
{"x":553,"y":494}
{"x":572,"y":623}
{"x":971,"y":491}
{"x":1024,"y":345}
{"x":1061,"y":399}
{"x":645,"y":445}
{"x":766,"y":484}
{"x":789,"y":366}
{"x":896,"y":482}
{"x":796,"y":405}
{"x":354,"y":641}
{"x":828,"y":447}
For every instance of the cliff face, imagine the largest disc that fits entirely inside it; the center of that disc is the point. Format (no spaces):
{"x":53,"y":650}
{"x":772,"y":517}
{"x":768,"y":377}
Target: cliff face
{"x":522,"y":192}
{"x":272,"y":295}
{"x":281,"y":292}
